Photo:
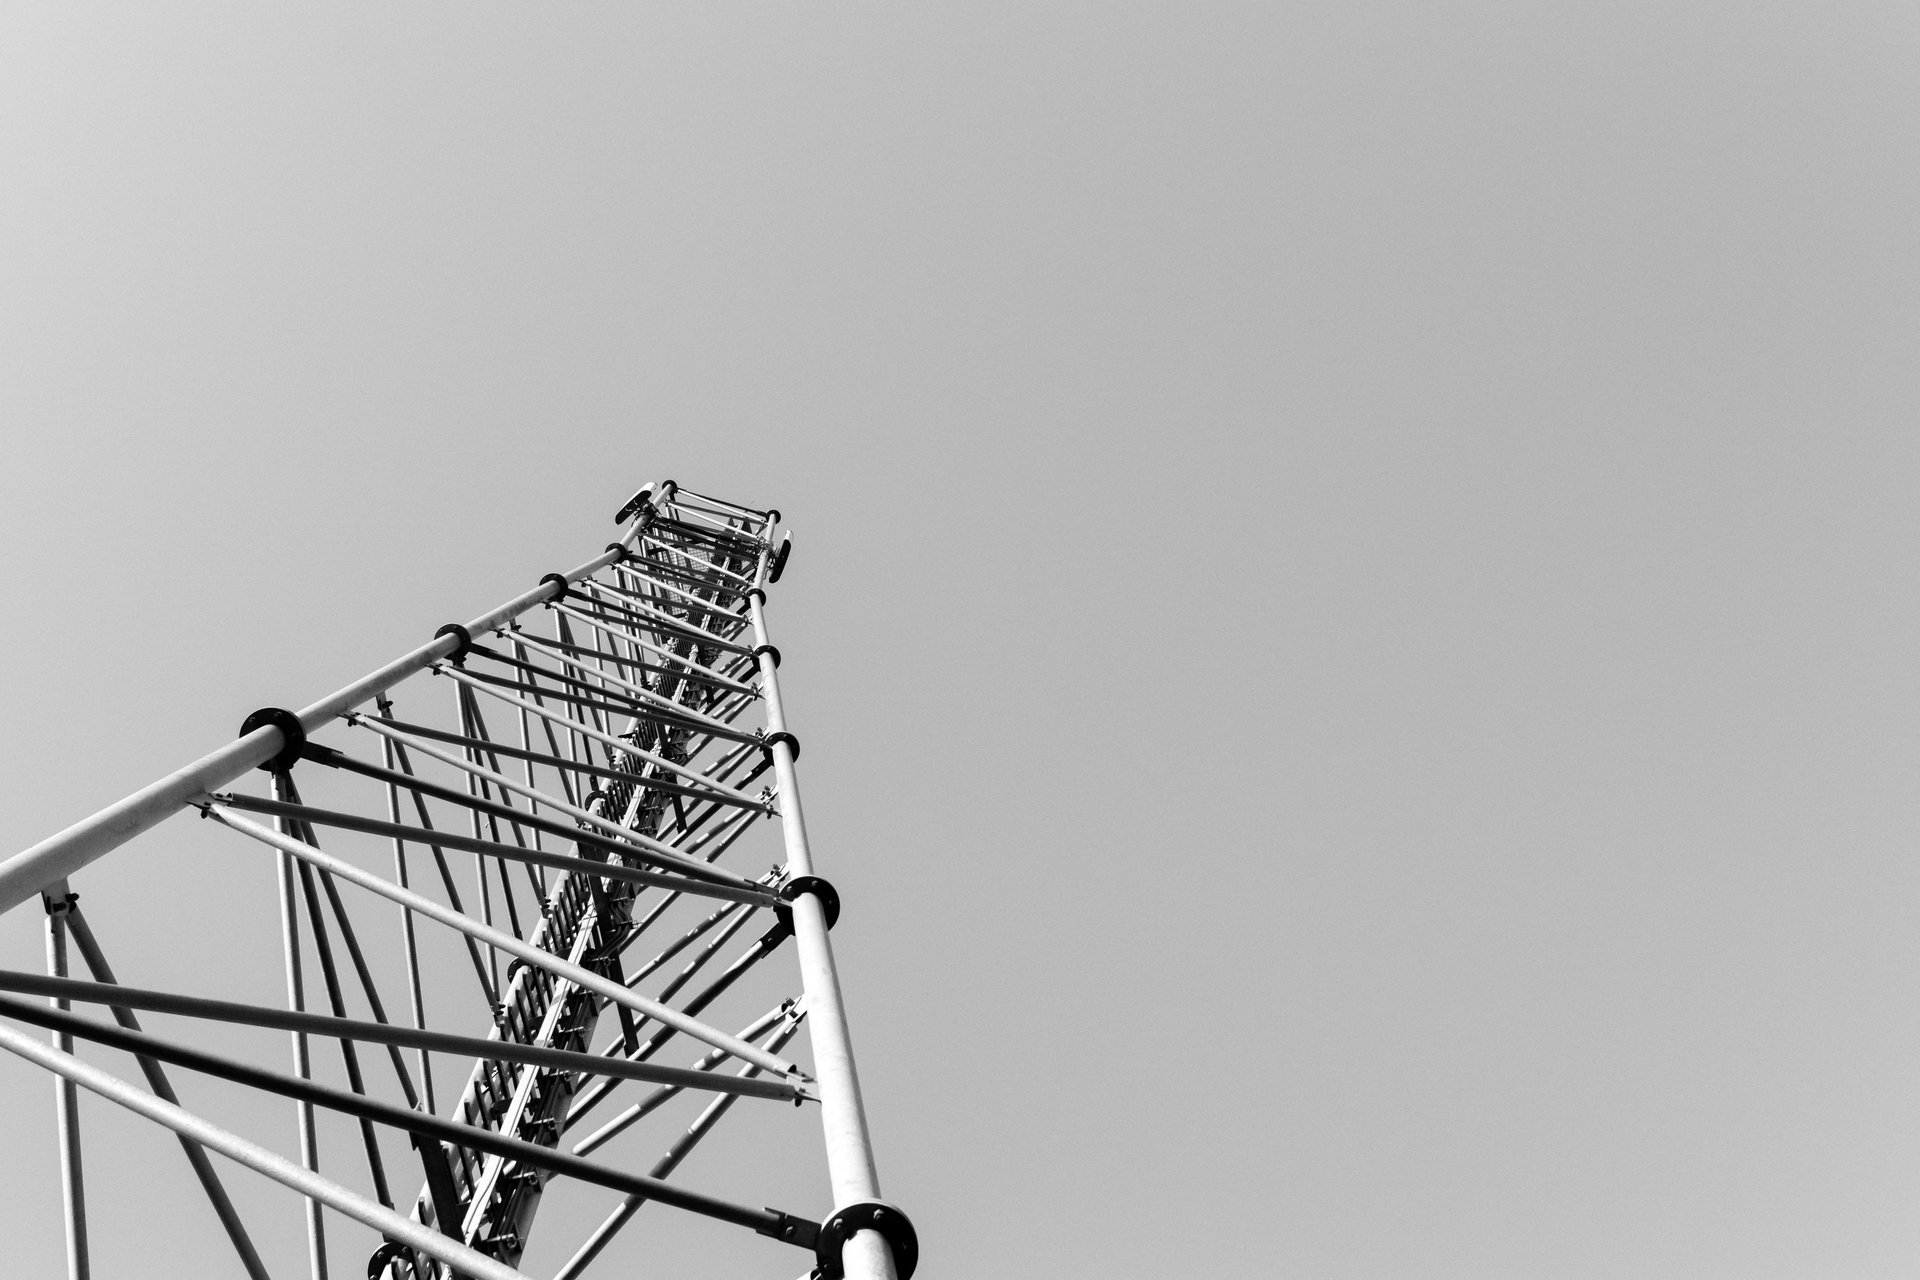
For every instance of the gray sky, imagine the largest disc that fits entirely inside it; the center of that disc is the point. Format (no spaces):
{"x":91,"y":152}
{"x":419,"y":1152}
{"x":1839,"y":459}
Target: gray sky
{"x":1353,"y":606}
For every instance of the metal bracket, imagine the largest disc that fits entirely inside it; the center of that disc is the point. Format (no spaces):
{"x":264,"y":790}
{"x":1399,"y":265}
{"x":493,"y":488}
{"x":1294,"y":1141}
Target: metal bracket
{"x":559,"y":580}
{"x":290,"y":728}
{"x":766,"y":648}
{"x":867,"y":1215}
{"x":634,"y":503}
{"x":792,"y":1229}
{"x":793,"y":743}
{"x":820,"y":888}
{"x":460,"y":633}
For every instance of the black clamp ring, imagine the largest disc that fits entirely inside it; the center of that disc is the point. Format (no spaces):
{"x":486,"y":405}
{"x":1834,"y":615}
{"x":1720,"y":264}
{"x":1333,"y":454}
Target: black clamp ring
{"x":759,"y":649}
{"x":867,"y":1215}
{"x":820,"y":888}
{"x":561,"y":580}
{"x":793,"y":743}
{"x":755,"y":591}
{"x":385,"y":1256}
{"x":460,"y":633}
{"x":290,"y":728}
{"x":621,"y":552}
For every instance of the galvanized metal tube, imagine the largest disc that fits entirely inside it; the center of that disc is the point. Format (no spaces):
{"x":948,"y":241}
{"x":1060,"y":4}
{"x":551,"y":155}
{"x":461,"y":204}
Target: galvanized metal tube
{"x":416,"y":1000}
{"x":701,"y":1126}
{"x":604,"y":738}
{"x":666,"y":1093}
{"x":639,"y":691}
{"x":561,"y":606}
{"x":122,"y":1000}
{"x":25,"y":874}
{"x":66,"y":1102}
{"x":474,"y":1138}
{"x":758,"y":894}
{"x":302,"y":1066}
{"x":96,"y":961}
{"x":648,"y":849}
{"x":843,"y":1117}
{"x":257,"y":1158}
{"x":546,"y":960}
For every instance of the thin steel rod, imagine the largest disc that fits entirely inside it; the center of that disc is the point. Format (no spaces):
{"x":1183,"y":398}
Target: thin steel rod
{"x":641,"y":702}
{"x":96,"y":961}
{"x":649,"y":569}
{"x":480,"y":790}
{"x":648,"y":849}
{"x":416,"y":1001}
{"x":420,"y":787}
{"x":654,"y":594}
{"x":714,"y":543}
{"x":650,"y":647}
{"x":605,"y":739}
{"x":647,"y":1105}
{"x":664,"y":1167}
{"x":720,"y":506}
{"x":843,"y":1119}
{"x":680,"y":944}
{"x":757,"y":894}
{"x":376,"y":1168}
{"x":258,"y":1158}
{"x":768,"y":1221}
{"x":129,"y":998}
{"x":687,"y":600}
{"x":673,"y":549}
{"x":687,"y":676}
{"x":367,"y":987}
{"x":759,"y":951}
{"x":66,"y":1101}
{"x":558,"y":763}
{"x":650,"y":617}
{"x":477,"y":723}
{"x":546,"y":960}
{"x":23,"y":875}
{"x":607,"y":616}
{"x":303,"y":1112}
{"x":404,"y":778}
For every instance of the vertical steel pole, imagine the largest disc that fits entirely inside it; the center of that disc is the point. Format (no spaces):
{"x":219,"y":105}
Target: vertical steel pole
{"x":96,"y":960}
{"x":297,"y":1000}
{"x":842,"y":1117}
{"x":66,"y":1096}
{"x":414,"y":999}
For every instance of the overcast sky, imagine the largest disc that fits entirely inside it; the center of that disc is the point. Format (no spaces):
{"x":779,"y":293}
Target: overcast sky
{"x":1353,"y":613}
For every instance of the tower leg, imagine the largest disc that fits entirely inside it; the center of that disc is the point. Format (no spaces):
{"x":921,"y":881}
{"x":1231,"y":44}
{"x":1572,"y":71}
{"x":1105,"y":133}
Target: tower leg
{"x":66,"y":1097}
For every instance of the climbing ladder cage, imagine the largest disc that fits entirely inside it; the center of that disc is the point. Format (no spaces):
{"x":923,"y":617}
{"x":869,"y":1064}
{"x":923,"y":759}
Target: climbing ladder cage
{"x":503,"y":859}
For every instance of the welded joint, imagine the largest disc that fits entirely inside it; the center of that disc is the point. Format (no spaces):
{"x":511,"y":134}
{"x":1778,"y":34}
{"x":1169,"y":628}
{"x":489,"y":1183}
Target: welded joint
{"x":59,"y":904}
{"x":866,"y":1215}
